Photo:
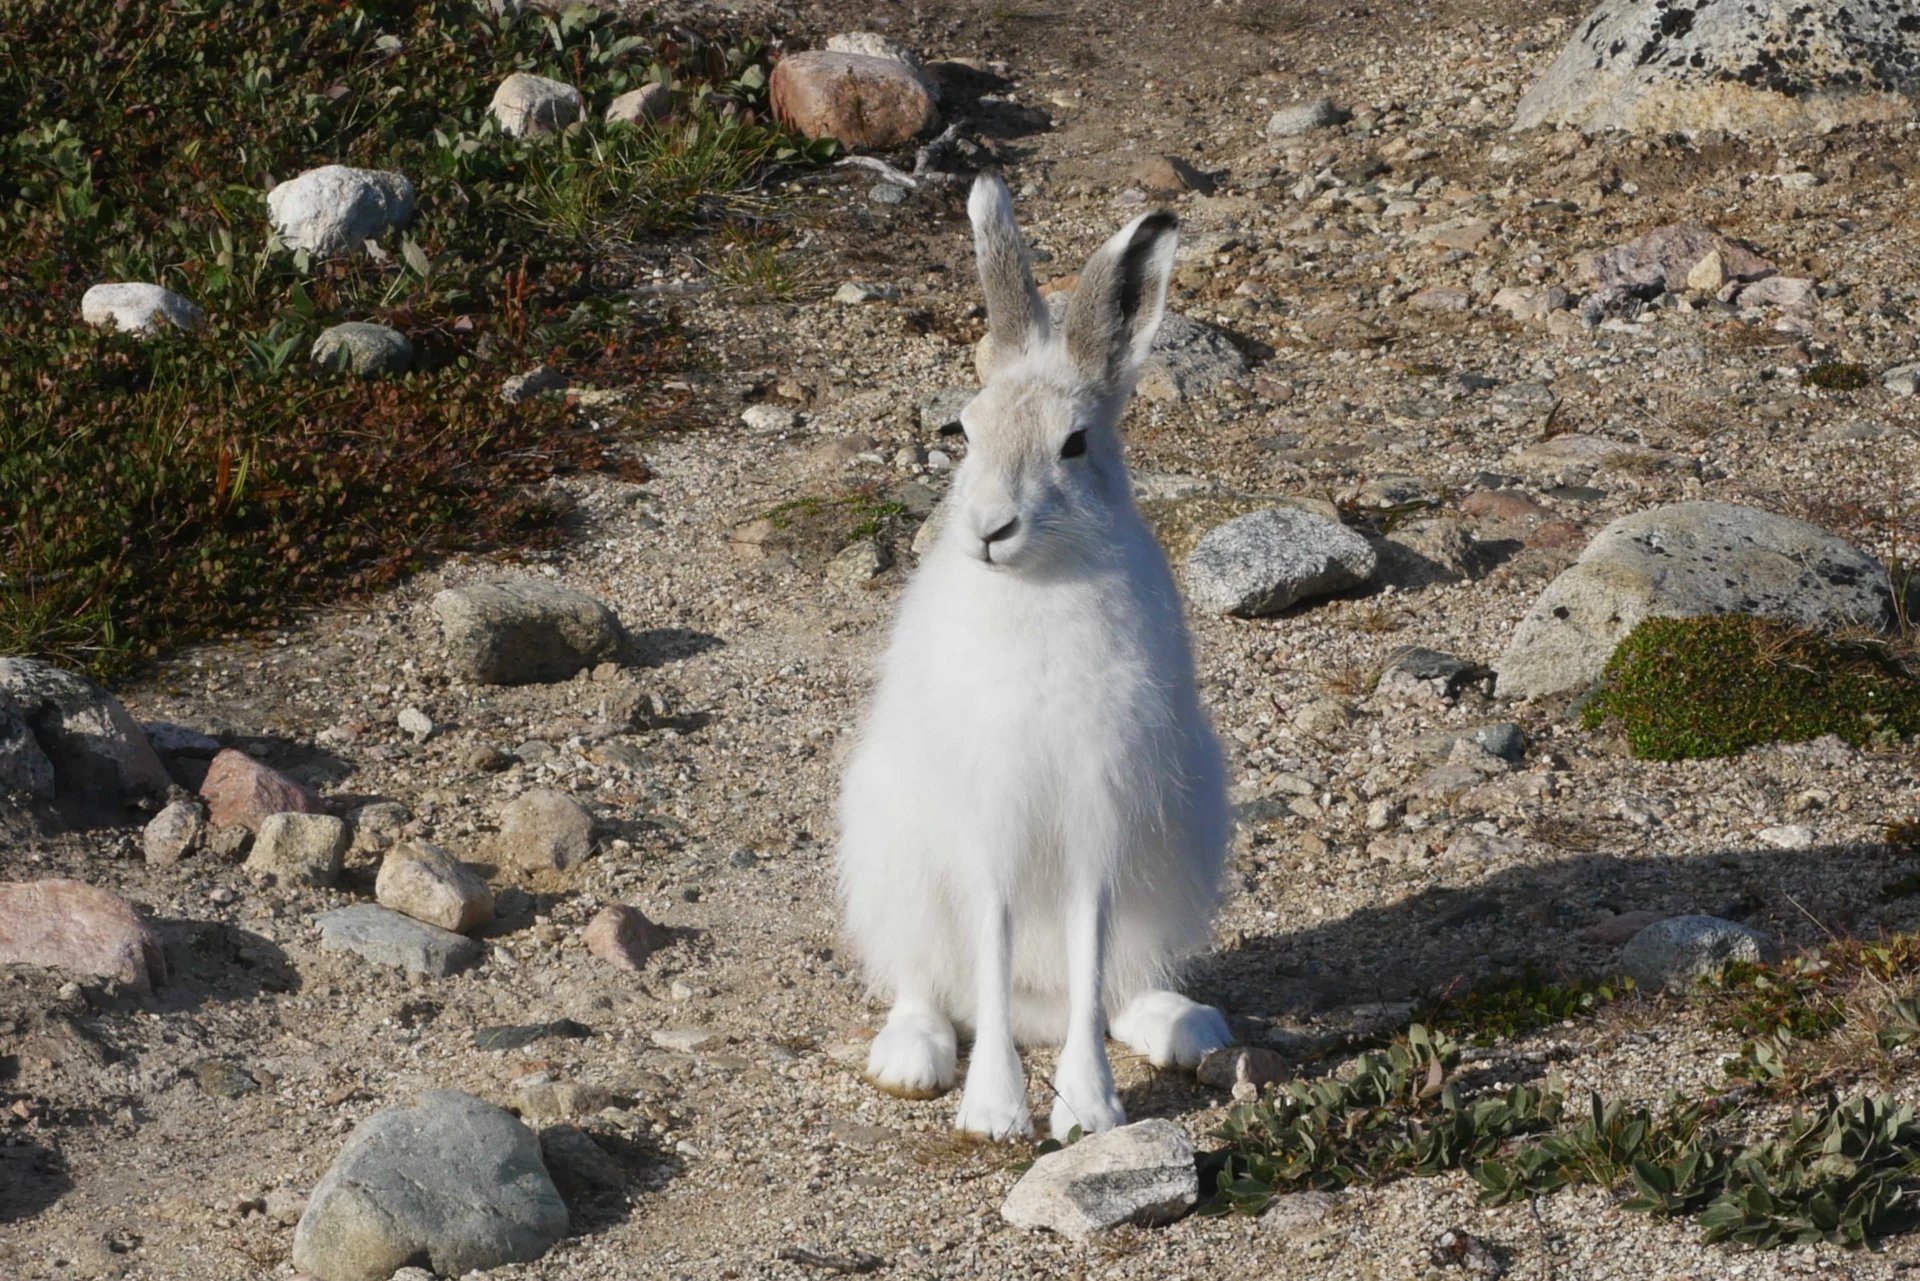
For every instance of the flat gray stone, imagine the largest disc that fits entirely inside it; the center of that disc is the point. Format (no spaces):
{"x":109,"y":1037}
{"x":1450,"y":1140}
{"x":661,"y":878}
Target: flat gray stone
{"x":385,"y":937}
{"x":1676,"y":954}
{"x":1142,"y":1173}
{"x":334,"y":210}
{"x":1304,"y":117}
{"x":525,"y":632}
{"x":368,"y":350}
{"x":1902,"y":380}
{"x":1761,"y":66}
{"x":1263,"y":562}
{"x":451,"y":1181}
{"x":1684,"y":561}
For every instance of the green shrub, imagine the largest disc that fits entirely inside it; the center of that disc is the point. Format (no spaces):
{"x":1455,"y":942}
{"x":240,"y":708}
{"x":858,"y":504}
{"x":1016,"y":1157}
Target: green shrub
{"x":151,"y":491}
{"x":1691,"y":687}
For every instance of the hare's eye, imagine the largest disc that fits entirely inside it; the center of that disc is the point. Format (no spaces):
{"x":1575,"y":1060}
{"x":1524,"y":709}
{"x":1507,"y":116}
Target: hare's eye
{"x":1075,"y":445}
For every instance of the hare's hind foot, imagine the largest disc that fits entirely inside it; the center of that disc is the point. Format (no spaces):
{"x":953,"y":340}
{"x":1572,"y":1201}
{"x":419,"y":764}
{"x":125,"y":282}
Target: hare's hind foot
{"x":1171,"y":1030}
{"x":914,"y":1055}
{"x":994,"y":1102}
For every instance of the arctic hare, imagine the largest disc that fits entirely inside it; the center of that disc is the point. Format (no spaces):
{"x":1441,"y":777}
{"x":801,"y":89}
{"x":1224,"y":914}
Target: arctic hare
{"x":1034,"y":820}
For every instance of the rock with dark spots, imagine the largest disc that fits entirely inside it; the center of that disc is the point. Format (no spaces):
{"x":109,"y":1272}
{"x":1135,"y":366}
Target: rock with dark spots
{"x":512,"y":1037}
{"x":99,"y":757}
{"x":386,"y":937}
{"x":70,"y":925}
{"x":1677,"y":953}
{"x":241,"y":792}
{"x":645,"y":105}
{"x":524,"y":632}
{"x":861,"y":100}
{"x":1761,"y":66}
{"x":1142,"y":1173}
{"x":1684,"y":561}
{"x":544,"y":831}
{"x":1265,"y":561}
{"x":623,"y":937}
{"x":450,"y":1181}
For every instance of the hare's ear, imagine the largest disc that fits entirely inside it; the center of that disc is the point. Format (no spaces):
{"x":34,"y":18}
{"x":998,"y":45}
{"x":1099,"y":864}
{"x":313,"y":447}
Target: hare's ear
{"x":1121,"y":296}
{"x":1016,"y":316}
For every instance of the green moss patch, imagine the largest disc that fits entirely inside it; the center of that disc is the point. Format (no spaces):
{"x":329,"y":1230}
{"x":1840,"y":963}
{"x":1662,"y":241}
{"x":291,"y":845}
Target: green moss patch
{"x":1694,"y":687}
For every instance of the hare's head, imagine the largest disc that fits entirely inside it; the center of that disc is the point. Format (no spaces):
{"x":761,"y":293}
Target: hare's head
{"x":1043,"y":472}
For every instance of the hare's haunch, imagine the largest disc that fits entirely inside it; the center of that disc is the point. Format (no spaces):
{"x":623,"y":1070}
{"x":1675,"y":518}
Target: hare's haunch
{"x":1034,"y":821}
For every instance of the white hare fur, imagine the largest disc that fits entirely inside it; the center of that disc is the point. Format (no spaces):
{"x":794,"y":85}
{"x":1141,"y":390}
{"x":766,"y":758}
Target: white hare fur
{"x":1035,"y":817}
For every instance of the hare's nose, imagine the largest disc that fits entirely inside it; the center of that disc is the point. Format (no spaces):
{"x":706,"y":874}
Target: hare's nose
{"x":1003,"y":533}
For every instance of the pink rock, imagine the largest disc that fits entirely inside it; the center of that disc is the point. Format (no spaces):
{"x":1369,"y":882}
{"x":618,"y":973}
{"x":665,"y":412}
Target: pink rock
{"x":856,"y":98}
{"x":1666,"y":254}
{"x":70,"y":925}
{"x":240,"y":790}
{"x":1503,"y":505}
{"x":623,"y":937}
{"x":1617,"y":931}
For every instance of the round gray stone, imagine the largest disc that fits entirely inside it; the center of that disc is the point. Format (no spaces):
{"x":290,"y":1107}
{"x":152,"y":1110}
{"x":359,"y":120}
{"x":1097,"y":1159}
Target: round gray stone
{"x":524,"y":632}
{"x":363,"y":348}
{"x":451,"y":1181}
{"x":1265,"y":561}
{"x":385,"y":937}
{"x":1675,"y":954}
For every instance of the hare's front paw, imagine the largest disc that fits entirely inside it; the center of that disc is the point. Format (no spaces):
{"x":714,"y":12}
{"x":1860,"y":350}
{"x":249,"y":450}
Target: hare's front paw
{"x":1084,"y":1096}
{"x":1171,"y":1030}
{"x":914,"y":1054}
{"x":994,"y":1104}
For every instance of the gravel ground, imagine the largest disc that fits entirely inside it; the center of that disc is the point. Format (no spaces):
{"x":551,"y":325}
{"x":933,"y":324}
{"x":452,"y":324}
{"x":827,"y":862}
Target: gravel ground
{"x":764,"y":1137}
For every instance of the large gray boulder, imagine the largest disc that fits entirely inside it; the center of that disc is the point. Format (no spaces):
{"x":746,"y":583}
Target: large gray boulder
{"x":97,"y":754}
{"x":1677,"y":953}
{"x":524,"y":632}
{"x":1684,"y":561}
{"x":1760,"y":66}
{"x":450,"y":1181}
{"x":333,"y":209}
{"x":1142,"y":1173}
{"x":1264,"y":561}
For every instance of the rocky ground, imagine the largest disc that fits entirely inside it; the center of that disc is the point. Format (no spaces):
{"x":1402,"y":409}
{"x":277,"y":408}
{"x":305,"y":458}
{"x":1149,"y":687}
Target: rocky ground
{"x":1356,"y":268}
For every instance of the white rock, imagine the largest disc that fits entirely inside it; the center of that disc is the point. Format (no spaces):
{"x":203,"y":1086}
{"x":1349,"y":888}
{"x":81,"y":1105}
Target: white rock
{"x":431,"y":885}
{"x":1789,"y":836}
{"x":856,"y":292}
{"x":333,"y":210}
{"x":172,"y":832}
{"x":874,"y":45}
{"x":769,"y":419}
{"x":300,"y":849}
{"x":527,"y":104}
{"x":1142,"y":1173}
{"x":138,"y":309}
{"x":415,"y":724}
{"x":1291,"y":121}
{"x":1902,"y":380}
{"x":648,"y":103}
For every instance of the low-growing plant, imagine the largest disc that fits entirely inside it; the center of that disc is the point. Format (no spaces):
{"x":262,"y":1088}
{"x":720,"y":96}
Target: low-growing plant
{"x":1837,"y":376}
{"x":1695,"y":687}
{"x":1512,"y":1004}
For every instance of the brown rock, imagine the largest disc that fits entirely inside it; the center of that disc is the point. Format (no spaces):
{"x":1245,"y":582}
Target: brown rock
{"x":241,"y":791}
{"x":1171,"y":174}
{"x":70,"y":925}
{"x":300,"y":849}
{"x":1224,"y":1069}
{"x":858,"y":99}
{"x":1557,"y":535}
{"x":623,"y":937}
{"x":1441,"y":298}
{"x":1665,"y":256}
{"x":644,"y":105}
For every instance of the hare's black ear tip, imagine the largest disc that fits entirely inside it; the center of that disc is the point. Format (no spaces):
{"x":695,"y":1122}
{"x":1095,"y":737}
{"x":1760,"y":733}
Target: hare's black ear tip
{"x":1159,"y":223}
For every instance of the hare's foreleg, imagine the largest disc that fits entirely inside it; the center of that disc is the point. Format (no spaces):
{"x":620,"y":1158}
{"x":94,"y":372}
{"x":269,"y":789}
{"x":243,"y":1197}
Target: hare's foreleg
{"x":1171,"y":1030}
{"x":914,"y":1054}
{"x":1083,"y":1081}
{"x":994,"y":1102}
